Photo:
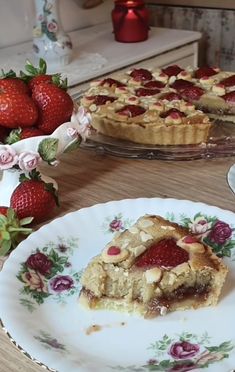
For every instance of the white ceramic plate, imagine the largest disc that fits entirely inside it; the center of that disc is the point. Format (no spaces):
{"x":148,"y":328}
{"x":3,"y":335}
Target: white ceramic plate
{"x":231,"y":178}
{"x":39,"y":287}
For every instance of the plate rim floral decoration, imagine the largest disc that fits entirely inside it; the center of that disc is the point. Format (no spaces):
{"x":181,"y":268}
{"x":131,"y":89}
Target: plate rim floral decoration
{"x":178,"y":348}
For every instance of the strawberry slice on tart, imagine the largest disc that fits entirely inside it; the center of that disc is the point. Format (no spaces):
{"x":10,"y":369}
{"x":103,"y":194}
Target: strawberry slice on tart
{"x":153,"y":268}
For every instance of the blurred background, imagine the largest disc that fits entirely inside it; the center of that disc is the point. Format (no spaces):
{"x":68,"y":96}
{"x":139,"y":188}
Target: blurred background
{"x":214,"y":18}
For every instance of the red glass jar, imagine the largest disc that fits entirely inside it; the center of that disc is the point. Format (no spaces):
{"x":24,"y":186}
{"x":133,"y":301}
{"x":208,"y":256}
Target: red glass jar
{"x":130,"y":21}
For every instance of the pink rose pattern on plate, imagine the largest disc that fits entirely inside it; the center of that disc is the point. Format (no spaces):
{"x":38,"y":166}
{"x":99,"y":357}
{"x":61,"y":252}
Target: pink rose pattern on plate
{"x":116,"y":223}
{"x":219,"y":235}
{"x":49,"y":273}
{"x":186,"y":352}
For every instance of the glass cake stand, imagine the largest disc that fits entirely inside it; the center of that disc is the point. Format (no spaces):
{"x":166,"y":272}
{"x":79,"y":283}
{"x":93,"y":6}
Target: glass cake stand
{"x":221,"y":143}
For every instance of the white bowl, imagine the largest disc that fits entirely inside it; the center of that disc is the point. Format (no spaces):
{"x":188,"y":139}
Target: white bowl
{"x":25,"y":155}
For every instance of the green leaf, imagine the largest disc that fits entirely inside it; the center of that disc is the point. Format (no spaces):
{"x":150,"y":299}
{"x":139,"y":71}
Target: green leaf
{"x":30,"y":68}
{"x":42,"y":66}
{"x":5,"y":247}
{"x":48,"y":149}
{"x":26,"y":221}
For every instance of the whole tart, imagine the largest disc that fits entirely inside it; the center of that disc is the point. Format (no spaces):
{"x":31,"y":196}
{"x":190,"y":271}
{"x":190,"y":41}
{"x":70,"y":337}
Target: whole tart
{"x":144,"y":113}
{"x":153,"y":268}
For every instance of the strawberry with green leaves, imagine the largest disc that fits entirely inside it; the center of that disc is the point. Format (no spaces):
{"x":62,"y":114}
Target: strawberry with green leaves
{"x":16,"y":106}
{"x":49,"y":93}
{"x":37,"y":75}
{"x":55,"y":106}
{"x":22,"y":133}
{"x":12,"y":229}
{"x":34,"y":197}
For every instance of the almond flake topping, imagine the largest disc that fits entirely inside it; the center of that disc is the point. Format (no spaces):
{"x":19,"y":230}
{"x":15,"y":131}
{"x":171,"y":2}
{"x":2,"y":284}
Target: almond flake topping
{"x":145,"y":237}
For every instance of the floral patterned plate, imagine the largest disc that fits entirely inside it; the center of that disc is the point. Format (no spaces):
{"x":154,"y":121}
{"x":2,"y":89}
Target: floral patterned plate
{"x":231,"y":178}
{"x":40,"y":283}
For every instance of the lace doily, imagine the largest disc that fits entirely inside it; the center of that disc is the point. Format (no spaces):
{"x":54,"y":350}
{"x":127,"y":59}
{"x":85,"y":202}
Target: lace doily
{"x":82,"y":67}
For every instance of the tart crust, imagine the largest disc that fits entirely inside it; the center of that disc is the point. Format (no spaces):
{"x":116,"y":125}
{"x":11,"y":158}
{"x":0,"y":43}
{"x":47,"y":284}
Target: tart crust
{"x":155,"y":133}
{"x":116,"y":282}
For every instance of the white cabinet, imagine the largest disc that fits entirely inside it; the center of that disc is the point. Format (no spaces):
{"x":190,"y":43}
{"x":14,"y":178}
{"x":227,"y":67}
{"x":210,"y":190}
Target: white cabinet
{"x":96,"y":53}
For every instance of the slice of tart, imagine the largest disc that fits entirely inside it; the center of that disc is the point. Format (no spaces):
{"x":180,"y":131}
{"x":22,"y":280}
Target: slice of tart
{"x":153,"y":268}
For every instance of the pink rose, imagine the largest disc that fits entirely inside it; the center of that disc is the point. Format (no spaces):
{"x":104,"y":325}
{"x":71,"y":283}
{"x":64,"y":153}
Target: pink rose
{"x":40,"y":263}
{"x":61,"y":283}
{"x":29,"y":160}
{"x":35,"y":281}
{"x":52,"y":26}
{"x":220,"y":233}
{"x":116,"y":225}
{"x":183,"y":350}
{"x":8,"y":157}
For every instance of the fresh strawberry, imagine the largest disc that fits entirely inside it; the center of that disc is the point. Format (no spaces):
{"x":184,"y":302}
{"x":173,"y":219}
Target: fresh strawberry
{"x":13,"y":85}
{"x":141,"y":74}
{"x":192,"y":93}
{"x":36,"y":80}
{"x":181,"y":84}
{"x":22,"y":133}
{"x":142,"y":92}
{"x":3,"y":134}
{"x":55,"y":106}
{"x":10,"y":83}
{"x":33,"y":197}
{"x":205,"y":71}
{"x":131,"y":110}
{"x":37,"y":75}
{"x":165,"y":253}
{"x":11,"y":229}
{"x":173,"y":70}
{"x":17,"y":110}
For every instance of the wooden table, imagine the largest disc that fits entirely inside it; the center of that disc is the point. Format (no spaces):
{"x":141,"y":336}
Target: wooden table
{"x":86,"y":178}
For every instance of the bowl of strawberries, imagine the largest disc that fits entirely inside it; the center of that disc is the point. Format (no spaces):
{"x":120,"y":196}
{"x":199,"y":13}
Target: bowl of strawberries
{"x":38,"y":122}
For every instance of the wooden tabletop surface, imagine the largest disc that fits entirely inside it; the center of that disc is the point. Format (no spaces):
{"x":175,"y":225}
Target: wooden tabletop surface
{"x":86,"y":178}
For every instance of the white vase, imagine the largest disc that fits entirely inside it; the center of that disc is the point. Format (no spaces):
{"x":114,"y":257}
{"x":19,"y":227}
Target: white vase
{"x":50,"y":42}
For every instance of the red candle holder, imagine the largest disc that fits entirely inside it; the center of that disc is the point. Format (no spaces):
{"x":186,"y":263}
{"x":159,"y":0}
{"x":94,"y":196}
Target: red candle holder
{"x":130,"y":21}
